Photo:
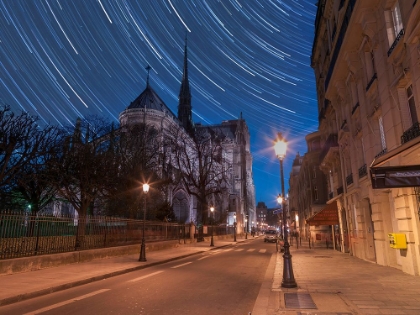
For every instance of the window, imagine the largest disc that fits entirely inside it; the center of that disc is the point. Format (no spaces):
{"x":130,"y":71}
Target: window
{"x":412,"y":104}
{"x":393,"y":22}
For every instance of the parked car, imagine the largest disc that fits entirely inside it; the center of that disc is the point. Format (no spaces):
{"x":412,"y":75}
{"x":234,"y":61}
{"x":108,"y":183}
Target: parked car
{"x":270,"y":236}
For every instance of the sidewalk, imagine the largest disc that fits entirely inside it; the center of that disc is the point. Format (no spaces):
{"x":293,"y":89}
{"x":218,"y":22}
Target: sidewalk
{"x":341,"y":284}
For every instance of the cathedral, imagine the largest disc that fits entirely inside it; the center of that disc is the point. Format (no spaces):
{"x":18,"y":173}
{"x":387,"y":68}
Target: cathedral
{"x":237,"y":201}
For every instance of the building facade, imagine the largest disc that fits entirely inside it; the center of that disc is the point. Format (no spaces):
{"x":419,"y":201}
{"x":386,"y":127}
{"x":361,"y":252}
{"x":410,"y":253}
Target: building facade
{"x":366,"y":59}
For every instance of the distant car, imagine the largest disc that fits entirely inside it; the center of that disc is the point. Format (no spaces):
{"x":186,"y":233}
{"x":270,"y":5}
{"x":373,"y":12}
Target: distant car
{"x":270,"y":236}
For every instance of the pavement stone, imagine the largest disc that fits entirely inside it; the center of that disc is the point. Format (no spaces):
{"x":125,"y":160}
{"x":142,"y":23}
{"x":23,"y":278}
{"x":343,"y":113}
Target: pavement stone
{"x":339,"y":284}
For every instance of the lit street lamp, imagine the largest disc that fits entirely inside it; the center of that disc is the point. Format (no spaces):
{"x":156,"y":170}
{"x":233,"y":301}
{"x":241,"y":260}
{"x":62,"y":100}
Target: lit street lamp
{"x":280,"y":147}
{"x":246,"y":227}
{"x":211,"y":242}
{"x":143,"y":245}
{"x":234,"y":227}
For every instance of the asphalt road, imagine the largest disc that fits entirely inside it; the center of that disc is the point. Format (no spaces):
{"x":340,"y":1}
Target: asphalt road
{"x":222,"y":281}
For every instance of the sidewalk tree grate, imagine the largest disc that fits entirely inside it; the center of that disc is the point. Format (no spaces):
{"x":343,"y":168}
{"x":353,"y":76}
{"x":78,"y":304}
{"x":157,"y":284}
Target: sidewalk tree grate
{"x":299,"y":300}
{"x":322,"y":256}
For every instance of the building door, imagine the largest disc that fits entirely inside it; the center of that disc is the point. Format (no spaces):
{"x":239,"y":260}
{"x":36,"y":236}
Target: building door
{"x":180,"y":206}
{"x":370,"y":240}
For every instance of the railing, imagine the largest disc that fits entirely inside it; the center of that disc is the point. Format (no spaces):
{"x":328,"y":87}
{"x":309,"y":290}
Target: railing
{"x":363,"y":171}
{"x":381,"y":153}
{"x":374,"y":77}
{"x":23,"y":234}
{"x":411,"y":133}
{"x":395,"y":43}
{"x":354,"y":108}
{"x":343,"y":29}
{"x":339,"y":190}
{"x":330,"y":195}
{"x":349,"y":179}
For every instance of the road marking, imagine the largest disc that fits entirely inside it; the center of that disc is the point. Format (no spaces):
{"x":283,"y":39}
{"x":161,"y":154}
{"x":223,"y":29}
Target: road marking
{"x":203,"y":257}
{"x":239,"y":250}
{"x":51,"y":307}
{"x":182,"y":265}
{"x":263,"y":251}
{"x":146,"y":276}
{"x":251,"y":250}
{"x":228,"y":250}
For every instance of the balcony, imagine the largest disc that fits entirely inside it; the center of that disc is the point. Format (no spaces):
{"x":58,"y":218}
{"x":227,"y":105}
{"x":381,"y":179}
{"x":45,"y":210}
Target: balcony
{"x":332,"y":142}
{"x":411,"y":133}
{"x":349,"y":179}
{"x":340,"y":39}
{"x":374,"y":77}
{"x":395,"y":43}
{"x":363,"y":171}
{"x":330,"y":195}
{"x":355,"y":107}
{"x":339,"y":190}
{"x":381,"y":153}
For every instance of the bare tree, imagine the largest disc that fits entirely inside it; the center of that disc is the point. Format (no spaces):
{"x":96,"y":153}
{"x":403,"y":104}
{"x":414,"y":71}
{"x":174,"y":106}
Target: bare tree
{"x":139,"y":154}
{"x":20,"y":141}
{"x":86,"y":165}
{"x":199,"y":165}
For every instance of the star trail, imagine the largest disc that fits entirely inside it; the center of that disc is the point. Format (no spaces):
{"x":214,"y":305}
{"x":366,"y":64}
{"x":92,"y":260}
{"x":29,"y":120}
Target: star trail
{"x":62,"y":59}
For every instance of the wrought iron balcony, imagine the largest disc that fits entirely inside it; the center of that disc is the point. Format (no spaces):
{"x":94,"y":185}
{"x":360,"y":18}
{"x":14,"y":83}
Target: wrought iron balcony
{"x":381,"y":153}
{"x":339,"y":190}
{"x":349,"y":179}
{"x":354,"y":108}
{"x":395,"y":43}
{"x":330,"y":195}
{"x":411,"y":133}
{"x":363,"y":171}
{"x":374,"y":77}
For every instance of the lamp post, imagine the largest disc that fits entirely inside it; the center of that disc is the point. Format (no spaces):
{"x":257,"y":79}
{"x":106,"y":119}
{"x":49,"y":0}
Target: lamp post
{"x":212,"y":242}
{"x":280,"y":147}
{"x":234,"y":227}
{"x":246,"y":227}
{"x":143,"y":245}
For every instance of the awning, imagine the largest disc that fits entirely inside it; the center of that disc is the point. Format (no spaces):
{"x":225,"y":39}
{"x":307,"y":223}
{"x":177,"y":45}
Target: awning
{"x":327,"y":216}
{"x":395,"y":176}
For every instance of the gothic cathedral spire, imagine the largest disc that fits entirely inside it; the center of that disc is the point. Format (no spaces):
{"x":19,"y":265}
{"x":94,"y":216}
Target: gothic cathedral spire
{"x":184,"y":105}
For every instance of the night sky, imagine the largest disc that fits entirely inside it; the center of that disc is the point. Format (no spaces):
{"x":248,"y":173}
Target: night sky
{"x":62,"y":59}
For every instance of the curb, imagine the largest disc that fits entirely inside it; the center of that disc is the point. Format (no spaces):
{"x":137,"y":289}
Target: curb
{"x":61,"y":287}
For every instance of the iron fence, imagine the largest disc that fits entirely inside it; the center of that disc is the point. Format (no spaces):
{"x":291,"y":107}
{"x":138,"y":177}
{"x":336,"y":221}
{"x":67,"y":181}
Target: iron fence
{"x":23,"y":234}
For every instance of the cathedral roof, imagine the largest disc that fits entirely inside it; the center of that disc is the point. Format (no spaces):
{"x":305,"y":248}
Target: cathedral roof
{"x":151,"y":100}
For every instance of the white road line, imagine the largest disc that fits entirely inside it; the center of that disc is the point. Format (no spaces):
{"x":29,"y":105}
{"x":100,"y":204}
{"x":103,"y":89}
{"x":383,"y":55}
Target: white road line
{"x":251,"y":250}
{"x":51,"y":307}
{"x":182,"y":265}
{"x":146,"y":276}
{"x":228,"y":250}
{"x":203,"y":257}
{"x":239,"y":250}
{"x":263,"y":251}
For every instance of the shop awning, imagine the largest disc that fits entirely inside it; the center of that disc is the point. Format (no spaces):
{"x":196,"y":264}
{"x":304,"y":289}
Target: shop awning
{"x":395,"y":176}
{"x":327,"y":216}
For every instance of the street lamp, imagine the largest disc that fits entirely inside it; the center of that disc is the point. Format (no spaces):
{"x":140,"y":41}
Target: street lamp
{"x":246,"y":228}
{"x":234,"y":227}
{"x":211,"y":242}
{"x":280,"y":147}
{"x":143,"y":245}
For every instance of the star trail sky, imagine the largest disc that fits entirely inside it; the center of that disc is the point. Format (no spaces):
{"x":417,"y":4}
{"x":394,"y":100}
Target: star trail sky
{"x":62,"y":59}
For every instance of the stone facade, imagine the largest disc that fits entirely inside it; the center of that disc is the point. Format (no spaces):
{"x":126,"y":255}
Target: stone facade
{"x":366,"y":59}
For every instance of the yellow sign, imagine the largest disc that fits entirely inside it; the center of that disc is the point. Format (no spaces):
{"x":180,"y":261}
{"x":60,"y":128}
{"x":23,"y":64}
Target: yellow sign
{"x":397,"y":240}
